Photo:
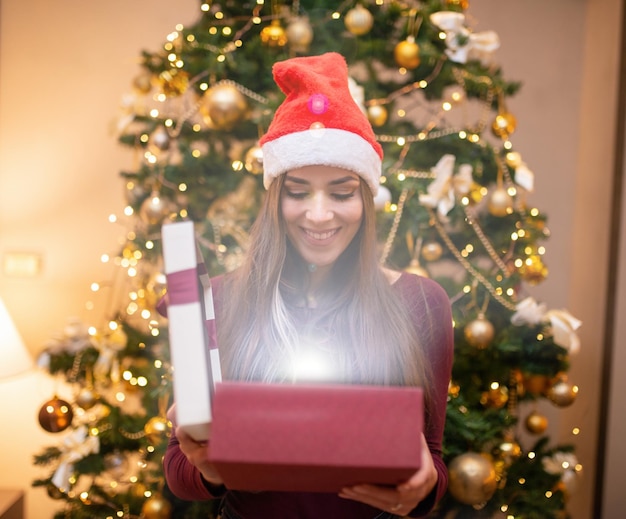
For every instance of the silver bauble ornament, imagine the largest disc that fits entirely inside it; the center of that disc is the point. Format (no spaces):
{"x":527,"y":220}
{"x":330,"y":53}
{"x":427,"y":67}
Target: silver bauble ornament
{"x":155,"y":209}
{"x":359,"y":20}
{"x":159,"y":140}
{"x":116,"y":464}
{"x":87,"y":398}
{"x":299,"y":34}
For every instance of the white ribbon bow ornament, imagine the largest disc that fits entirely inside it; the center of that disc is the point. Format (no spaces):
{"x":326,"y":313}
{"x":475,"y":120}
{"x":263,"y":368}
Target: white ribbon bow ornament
{"x":462,"y":44}
{"x":441,"y":192}
{"x":564,"y":464}
{"x":76,"y":446}
{"x":563,"y":324}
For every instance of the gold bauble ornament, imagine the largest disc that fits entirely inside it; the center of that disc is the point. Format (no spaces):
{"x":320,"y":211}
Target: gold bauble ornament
{"x":155,"y":209}
{"x":254,"y":160}
{"x":513,"y":159}
{"x":562,"y":393}
{"x":508,"y":451}
{"x":359,"y":20}
{"x":463,"y":4}
{"x":536,"y":423}
{"x":173,"y":82}
{"x":407,"y":53}
{"x":156,"y":507}
{"x":157,"y":428}
{"x":156,"y":287}
{"x":223,"y":105}
{"x":500,"y":202}
{"x":495,"y":397}
{"x":479,"y":332}
{"x":55,"y":415}
{"x":535,"y":384}
{"x":138,"y":489}
{"x":476,"y":193}
{"x":472,"y":479}
{"x":432,"y":250}
{"x":299,"y":34}
{"x":533,"y":270}
{"x":504,"y":125}
{"x":377,"y":115}
{"x":414,"y":267}
{"x":454,"y":390}
{"x":273,"y":35}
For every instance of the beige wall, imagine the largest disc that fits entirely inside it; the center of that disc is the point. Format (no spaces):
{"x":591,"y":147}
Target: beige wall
{"x":64,"y":67}
{"x":615,"y":460}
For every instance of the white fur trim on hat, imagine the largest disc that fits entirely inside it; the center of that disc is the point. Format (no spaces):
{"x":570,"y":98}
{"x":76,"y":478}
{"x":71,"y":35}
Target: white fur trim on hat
{"x":321,"y":147}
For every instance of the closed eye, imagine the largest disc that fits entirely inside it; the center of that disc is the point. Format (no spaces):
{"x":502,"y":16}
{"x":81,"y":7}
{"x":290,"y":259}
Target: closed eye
{"x":343,"y":196}
{"x":296,"y":195}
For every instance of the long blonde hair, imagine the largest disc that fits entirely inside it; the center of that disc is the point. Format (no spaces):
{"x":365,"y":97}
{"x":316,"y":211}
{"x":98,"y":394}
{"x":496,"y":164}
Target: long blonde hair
{"x":369,"y":329}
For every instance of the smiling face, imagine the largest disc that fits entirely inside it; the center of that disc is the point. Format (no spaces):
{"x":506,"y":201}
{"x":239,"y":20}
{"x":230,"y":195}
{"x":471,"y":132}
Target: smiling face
{"x":322,"y":207}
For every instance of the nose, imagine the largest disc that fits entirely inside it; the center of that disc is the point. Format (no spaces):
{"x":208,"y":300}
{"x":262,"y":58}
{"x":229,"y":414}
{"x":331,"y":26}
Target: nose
{"x":319,"y":209}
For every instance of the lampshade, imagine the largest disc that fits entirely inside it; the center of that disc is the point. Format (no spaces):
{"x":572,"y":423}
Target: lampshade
{"x":14,"y":357}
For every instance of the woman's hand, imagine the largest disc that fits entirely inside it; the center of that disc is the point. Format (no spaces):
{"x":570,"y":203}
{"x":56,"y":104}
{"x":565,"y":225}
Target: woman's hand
{"x":403,"y":498}
{"x":197,"y":453}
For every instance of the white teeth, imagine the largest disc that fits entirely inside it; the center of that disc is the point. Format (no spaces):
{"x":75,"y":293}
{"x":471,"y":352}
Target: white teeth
{"x":320,"y":235}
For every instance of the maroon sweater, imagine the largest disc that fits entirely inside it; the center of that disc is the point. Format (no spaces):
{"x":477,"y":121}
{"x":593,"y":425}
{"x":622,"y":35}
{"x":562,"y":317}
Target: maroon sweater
{"x":430,"y":308}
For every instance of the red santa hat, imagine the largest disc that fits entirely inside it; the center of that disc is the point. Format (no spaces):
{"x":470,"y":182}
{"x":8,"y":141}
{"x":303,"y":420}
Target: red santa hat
{"x":319,"y":123}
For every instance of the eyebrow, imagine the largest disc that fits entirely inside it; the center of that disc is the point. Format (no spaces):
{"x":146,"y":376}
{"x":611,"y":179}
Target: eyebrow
{"x":342,"y":180}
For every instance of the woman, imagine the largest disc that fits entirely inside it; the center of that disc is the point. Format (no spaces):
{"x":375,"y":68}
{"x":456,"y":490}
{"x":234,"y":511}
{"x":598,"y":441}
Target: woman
{"x":312,"y":287}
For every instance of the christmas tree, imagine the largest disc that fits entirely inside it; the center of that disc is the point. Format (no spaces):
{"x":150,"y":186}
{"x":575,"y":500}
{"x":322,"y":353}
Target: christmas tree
{"x":453,"y":206}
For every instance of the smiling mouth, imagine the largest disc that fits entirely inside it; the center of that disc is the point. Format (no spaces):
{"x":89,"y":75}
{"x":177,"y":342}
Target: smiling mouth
{"x":320,"y":235}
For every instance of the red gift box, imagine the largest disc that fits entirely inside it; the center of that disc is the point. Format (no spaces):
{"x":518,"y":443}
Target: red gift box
{"x":314,"y":438}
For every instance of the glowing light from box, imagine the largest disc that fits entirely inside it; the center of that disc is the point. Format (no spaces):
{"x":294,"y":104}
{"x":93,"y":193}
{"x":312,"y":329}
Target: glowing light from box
{"x":311,"y":363}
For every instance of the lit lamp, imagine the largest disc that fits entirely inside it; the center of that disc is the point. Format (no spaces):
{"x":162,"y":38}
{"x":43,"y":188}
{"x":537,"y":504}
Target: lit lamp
{"x":14,"y":358}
